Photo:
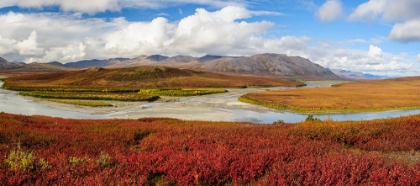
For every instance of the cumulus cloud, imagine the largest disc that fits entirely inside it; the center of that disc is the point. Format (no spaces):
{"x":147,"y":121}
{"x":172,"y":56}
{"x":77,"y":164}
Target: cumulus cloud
{"x":373,"y":60}
{"x":375,"y":52}
{"x":418,"y":57}
{"x":204,"y":32}
{"x":387,"y":9}
{"x":408,"y":31}
{"x":330,"y":10}
{"x":29,"y":47}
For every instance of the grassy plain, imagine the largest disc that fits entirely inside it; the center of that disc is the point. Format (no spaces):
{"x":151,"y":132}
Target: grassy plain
{"x":82,"y":103}
{"x":90,"y":95}
{"x":135,"y":78}
{"x":39,"y":150}
{"x":378,"y":95}
{"x":180,"y":92}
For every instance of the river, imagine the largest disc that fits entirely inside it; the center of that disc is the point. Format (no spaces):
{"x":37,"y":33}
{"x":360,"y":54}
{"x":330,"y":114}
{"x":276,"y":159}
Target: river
{"x":216,"y":107}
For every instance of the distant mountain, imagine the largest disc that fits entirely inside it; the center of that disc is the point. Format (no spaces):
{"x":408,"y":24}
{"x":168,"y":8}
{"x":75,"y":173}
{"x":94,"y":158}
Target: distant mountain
{"x":20,"y":67}
{"x":56,"y":63}
{"x":45,"y":67}
{"x":275,"y":65}
{"x":157,"y":58}
{"x":94,"y":63}
{"x":180,"y":59}
{"x":268,"y":65}
{"x":19,"y":62}
{"x":208,"y":58}
{"x":356,"y":75}
{"x":5,"y":65}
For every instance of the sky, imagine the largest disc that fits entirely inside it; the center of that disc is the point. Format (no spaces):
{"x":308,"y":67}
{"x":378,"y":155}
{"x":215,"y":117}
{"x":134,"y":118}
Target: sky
{"x":380,"y":37}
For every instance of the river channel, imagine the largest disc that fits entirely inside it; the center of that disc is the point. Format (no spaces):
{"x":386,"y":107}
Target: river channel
{"x":216,"y":107}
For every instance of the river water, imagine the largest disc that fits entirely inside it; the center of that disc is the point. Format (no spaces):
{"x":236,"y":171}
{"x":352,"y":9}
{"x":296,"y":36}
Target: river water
{"x":217,"y":107}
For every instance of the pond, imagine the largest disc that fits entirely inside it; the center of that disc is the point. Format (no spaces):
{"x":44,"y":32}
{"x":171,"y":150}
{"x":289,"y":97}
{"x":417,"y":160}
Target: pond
{"x":216,"y":107}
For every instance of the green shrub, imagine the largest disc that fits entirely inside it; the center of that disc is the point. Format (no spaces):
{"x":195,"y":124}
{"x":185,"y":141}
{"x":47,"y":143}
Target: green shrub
{"x":77,"y":161}
{"x":20,"y":160}
{"x":311,"y":118}
{"x":104,"y":160}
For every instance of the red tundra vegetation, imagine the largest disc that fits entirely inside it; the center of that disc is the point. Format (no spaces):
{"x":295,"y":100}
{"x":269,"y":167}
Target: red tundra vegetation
{"x":39,"y":150}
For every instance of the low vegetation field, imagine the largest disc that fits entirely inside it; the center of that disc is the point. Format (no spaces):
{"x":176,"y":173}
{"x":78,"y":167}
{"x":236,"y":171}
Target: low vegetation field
{"x":135,"y":78}
{"x":180,"y":92}
{"x":82,"y":103}
{"x":39,"y":150}
{"x":379,"y":95}
{"x":90,"y":95}
{"x":130,"y":84}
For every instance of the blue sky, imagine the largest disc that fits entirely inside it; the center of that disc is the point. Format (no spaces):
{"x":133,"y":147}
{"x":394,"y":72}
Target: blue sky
{"x":373,"y":36}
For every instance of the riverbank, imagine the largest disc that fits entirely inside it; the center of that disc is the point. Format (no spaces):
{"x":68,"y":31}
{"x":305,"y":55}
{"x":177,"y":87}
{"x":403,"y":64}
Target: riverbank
{"x":217,"y":107}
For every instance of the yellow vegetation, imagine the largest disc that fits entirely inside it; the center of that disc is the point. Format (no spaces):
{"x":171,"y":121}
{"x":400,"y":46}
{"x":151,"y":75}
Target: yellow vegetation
{"x":379,"y":95}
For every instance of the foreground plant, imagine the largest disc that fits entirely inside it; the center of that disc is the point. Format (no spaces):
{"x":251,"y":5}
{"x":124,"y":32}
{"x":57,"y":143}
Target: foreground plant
{"x":162,"y":151}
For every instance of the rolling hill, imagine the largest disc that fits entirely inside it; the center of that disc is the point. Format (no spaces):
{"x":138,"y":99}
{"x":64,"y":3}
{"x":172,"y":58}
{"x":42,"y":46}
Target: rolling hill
{"x":138,"y":77}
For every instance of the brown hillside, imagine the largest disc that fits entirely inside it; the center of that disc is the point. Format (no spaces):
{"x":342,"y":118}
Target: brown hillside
{"x":139,"y":77}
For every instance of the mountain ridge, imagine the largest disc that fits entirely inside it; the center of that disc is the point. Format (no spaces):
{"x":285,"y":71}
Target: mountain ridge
{"x":268,"y":64}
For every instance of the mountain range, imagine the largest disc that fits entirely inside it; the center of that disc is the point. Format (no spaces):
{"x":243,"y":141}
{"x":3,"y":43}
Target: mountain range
{"x":267,"y":65}
{"x":347,"y":74}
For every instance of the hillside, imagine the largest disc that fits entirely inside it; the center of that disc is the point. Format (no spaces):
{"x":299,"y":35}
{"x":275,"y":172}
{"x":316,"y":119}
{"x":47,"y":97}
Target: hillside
{"x":19,"y":68}
{"x":5,"y":65}
{"x":269,"y":65}
{"x":274,"y":65}
{"x":44,"y":67}
{"x":139,"y":77}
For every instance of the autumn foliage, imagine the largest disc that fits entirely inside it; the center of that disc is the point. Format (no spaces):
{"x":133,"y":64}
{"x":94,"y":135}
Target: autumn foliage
{"x":38,"y":150}
{"x":374,"y":95}
{"x":132,"y":79}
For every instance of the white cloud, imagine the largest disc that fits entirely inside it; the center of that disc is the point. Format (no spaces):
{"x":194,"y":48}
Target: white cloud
{"x":357,"y":41}
{"x":408,"y":31}
{"x":95,"y":6}
{"x":29,"y":47}
{"x":375,"y":52}
{"x":418,"y":57}
{"x":373,"y":60}
{"x":330,"y":10}
{"x":405,"y":13}
{"x":387,"y":10}
{"x":90,"y":6}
